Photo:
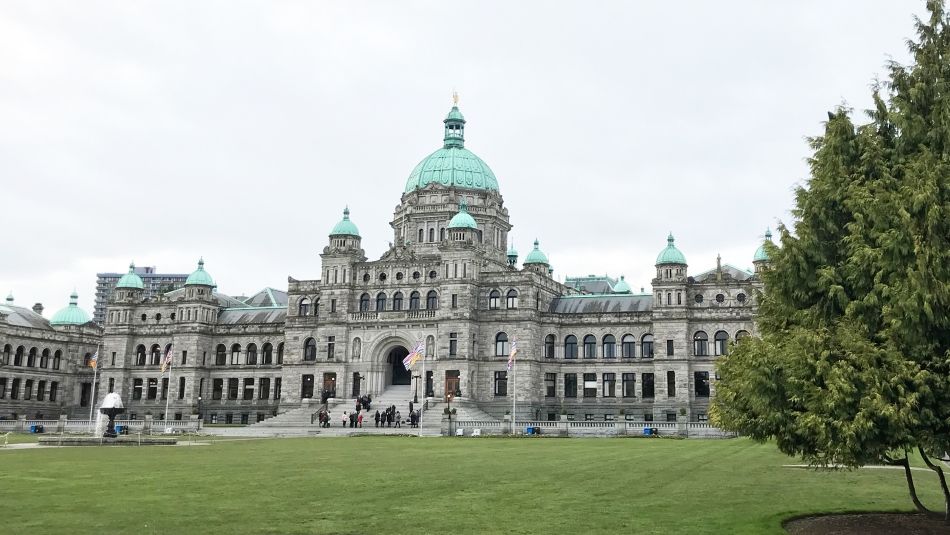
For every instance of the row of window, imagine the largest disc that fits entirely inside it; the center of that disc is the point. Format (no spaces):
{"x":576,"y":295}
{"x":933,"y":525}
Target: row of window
{"x":33,"y":358}
{"x":720,"y":298}
{"x":251,"y":357}
{"x":243,"y":389}
{"x":432,"y":301}
{"x":627,"y":347}
{"x":28,"y":392}
{"x":608,"y":386}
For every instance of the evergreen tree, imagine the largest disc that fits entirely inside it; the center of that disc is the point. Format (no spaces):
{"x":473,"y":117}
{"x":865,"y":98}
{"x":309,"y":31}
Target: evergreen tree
{"x":852,"y":362}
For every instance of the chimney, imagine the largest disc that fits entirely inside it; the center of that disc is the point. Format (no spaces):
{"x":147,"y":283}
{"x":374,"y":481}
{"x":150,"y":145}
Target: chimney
{"x":38,"y":308}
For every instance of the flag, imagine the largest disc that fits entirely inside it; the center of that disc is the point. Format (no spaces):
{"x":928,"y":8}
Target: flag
{"x":167,"y":361}
{"x":94,"y":360}
{"x":511,"y":354}
{"x":414,"y":355}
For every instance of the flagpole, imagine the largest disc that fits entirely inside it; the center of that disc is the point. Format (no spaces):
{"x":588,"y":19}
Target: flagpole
{"x":423,"y":392}
{"x":168,"y":391}
{"x":95,"y":375}
{"x":514,"y":384}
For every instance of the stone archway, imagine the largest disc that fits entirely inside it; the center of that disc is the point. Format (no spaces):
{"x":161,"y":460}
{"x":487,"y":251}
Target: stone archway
{"x":398,"y":373}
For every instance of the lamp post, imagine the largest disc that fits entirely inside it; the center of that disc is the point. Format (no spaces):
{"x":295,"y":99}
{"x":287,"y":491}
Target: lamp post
{"x":199,"y":412}
{"x":415,"y":397}
{"x":360,"y":378}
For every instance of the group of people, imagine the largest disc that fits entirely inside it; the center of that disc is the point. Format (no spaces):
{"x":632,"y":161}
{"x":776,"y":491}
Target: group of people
{"x":389,"y":417}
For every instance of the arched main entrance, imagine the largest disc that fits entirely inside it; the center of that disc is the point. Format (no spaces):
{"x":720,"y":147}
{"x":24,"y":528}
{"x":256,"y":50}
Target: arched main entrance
{"x":400,"y":375}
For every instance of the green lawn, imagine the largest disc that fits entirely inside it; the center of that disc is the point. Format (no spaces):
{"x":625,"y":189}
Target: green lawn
{"x":430,"y":485}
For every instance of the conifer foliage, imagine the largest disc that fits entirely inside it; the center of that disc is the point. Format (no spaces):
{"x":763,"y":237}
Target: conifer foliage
{"x":851,"y":365}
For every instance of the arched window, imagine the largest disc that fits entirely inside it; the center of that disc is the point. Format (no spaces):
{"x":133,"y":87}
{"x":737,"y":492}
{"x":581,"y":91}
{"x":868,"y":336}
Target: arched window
{"x":397,"y":301}
{"x":251,"y":358}
{"x":380,"y":302}
{"x":610,"y":346}
{"x":501,"y":345}
{"x":628,"y":348}
{"x":310,"y":349}
{"x":549,"y":341}
{"x":422,"y":236}
{"x":18,"y":356}
{"x":722,"y":342}
{"x":303,"y":309}
{"x":430,"y":346}
{"x":590,"y":347}
{"x":58,"y":357}
{"x":31,"y":358}
{"x":140,"y":355}
{"x":235,"y":354}
{"x":493,"y":299}
{"x":741,"y":334}
{"x":86,"y":360}
{"x":357,"y":348}
{"x":414,"y":301}
{"x":511,"y":299}
{"x":431,"y":234}
{"x":700,"y":344}
{"x":7,"y":349}
{"x":570,"y":347}
{"x":155,"y":355}
{"x":646,"y":346}
{"x":432,"y":300}
{"x":280,"y":353}
{"x":669,"y":298}
{"x":220,"y":355}
{"x":267,"y":354}
{"x":442,"y":235}
{"x":364,"y":302}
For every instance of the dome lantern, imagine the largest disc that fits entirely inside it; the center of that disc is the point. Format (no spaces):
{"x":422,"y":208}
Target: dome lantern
{"x":622,"y":287}
{"x":536,"y":256}
{"x":512,"y":255}
{"x":200,"y":277}
{"x":761,"y":255}
{"x":131,"y":280}
{"x":454,"y":126}
{"x":345,"y":227}
{"x":670,"y":255}
{"x":72,"y":314}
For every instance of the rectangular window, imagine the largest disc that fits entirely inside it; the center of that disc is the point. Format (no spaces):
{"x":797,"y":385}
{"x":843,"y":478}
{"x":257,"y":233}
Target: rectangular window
{"x":204,"y":357}
{"x":701,"y":379}
{"x":263,"y":388}
{"x":550,"y":385}
{"x":590,"y":385}
{"x":647,"y":385}
{"x":165,"y":388}
{"x":233,"y":385}
{"x":113,"y":359}
{"x":277,"y":389}
{"x":28,"y":390}
{"x":217,"y":389}
{"x":501,"y":383}
{"x":331,"y":344}
{"x":648,"y":417}
{"x":670,"y":384}
{"x":670,"y":416}
{"x":669,"y":348}
{"x":570,"y":385}
{"x":181,"y":388}
{"x":3,"y":388}
{"x":184,"y":358}
{"x":228,"y":418}
{"x":244,"y":418}
{"x":136,"y":389}
{"x":53,"y":390}
{"x":248,"y":388}
{"x":111,"y":385}
{"x":610,"y":385}
{"x":453,"y":344}
{"x":455,"y":301}
{"x":151,"y":391}
{"x":629,"y":385}
{"x":702,"y":417}
{"x":332,"y":305}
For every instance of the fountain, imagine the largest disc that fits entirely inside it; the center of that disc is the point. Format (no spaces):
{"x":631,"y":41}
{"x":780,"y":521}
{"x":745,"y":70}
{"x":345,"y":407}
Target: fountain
{"x":111,"y":406}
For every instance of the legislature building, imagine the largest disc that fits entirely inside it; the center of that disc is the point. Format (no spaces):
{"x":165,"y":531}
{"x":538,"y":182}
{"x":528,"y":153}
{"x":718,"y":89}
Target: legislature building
{"x":591,"y":348}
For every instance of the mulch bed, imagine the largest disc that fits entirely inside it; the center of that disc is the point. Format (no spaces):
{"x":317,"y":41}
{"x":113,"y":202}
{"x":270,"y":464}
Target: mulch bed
{"x":867,"y":524}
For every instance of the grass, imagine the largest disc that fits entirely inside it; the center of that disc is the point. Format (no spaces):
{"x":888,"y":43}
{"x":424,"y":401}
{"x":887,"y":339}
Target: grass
{"x":429,"y":485}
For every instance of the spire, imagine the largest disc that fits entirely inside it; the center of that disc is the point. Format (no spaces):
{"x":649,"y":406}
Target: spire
{"x":768,"y":234}
{"x":10,"y":298}
{"x":454,"y":126}
{"x":73,"y":298}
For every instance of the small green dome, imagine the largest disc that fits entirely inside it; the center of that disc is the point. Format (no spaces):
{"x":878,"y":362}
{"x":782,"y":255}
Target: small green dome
{"x":453,"y":164}
{"x":512,"y":251}
{"x":463,"y":219}
{"x":670,"y":255}
{"x":622,"y":287}
{"x":536,"y":256}
{"x":200,"y":277}
{"x":760,"y":254}
{"x":131,"y":280}
{"x":71,"y":315}
{"x":345,"y":227}
{"x":10,"y":298}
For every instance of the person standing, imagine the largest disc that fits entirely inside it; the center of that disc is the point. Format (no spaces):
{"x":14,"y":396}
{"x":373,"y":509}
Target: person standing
{"x":344,"y":418}
{"x":377,"y":417}
{"x":397,"y":419}
{"x":359,"y":420}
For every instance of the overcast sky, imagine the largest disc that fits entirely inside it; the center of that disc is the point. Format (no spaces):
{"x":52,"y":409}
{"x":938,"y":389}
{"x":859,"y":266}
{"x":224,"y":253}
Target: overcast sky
{"x":163,"y":131}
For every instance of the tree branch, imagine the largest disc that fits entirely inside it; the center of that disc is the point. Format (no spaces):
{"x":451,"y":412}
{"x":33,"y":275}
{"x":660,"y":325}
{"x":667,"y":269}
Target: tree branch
{"x":943,"y":483}
{"x":913,"y":491}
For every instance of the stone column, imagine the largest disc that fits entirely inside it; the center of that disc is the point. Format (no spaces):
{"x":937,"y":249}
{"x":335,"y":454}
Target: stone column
{"x":562,"y":426}
{"x":20,"y":424}
{"x":194,"y":424}
{"x":61,"y":425}
{"x":147,"y":426}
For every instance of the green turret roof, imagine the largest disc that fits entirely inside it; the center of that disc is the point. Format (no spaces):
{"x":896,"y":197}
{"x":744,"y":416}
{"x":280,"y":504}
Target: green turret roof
{"x":345,"y":227}
{"x":463,"y":219}
{"x":200,"y":277}
{"x":72,"y":314}
{"x":10,"y":298}
{"x":670,"y":255}
{"x":512,"y":251}
{"x":760,"y":254}
{"x":536,"y":256}
{"x":453,"y":164}
{"x":622,"y":287}
{"x":131,"y":280}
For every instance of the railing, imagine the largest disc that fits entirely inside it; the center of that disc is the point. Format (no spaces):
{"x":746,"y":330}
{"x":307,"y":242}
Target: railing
{"x":478,"y":423}
{"x":358,"y":316}
{"x":7,"y":424}
{"x":544,"y":424}
{"x":44,"y":423}
{"x":592,"y":425}
{"x":417,"y":314}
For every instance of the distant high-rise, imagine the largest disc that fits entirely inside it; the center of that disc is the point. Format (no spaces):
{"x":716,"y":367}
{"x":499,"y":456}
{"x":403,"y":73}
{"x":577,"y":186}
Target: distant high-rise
{"x":155,"y":283}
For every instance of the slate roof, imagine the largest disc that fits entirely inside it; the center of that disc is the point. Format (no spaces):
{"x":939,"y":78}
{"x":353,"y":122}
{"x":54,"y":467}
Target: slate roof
{"x":601,"y":304}
{"x":594,"y":284}
{"x":268,"y":297}
{"x":24,"y":317}
{"x":734,"y":272}
{"x":244,"y":315}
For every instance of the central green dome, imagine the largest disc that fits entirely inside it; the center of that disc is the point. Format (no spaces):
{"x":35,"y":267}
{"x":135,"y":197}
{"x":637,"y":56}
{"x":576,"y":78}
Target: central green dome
{"x":453,"y":164}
